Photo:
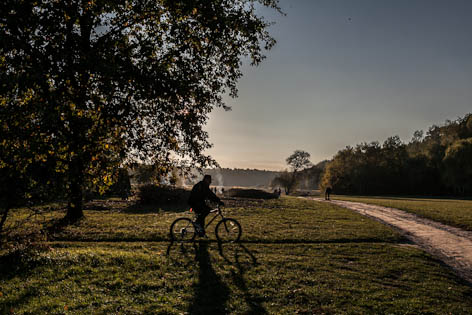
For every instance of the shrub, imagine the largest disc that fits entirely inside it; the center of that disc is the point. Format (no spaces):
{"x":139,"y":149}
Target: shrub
{"x":122,"y":186}
{"x":251,"y":193}
{"x":151,"y":194}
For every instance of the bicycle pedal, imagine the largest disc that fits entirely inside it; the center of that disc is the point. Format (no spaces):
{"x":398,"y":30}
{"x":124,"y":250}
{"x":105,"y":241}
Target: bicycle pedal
{"x":202,"y":235}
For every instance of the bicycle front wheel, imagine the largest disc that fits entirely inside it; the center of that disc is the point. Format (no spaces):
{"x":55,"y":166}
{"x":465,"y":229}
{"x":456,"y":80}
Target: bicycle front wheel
{"x":228,"y":230}
{"x":182,"y":230}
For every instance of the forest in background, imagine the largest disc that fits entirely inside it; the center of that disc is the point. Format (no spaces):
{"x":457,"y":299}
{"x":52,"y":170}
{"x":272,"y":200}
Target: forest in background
{"x":438,"y":162}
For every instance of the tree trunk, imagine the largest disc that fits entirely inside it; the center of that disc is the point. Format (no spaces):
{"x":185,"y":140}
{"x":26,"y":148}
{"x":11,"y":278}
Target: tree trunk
{"x":75,"y":206}
{"x":77,"y":179}
{"x":4,"y":218}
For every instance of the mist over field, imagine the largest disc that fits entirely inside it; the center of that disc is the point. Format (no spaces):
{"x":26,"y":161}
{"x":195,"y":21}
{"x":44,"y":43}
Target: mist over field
{"x":241,"y":177}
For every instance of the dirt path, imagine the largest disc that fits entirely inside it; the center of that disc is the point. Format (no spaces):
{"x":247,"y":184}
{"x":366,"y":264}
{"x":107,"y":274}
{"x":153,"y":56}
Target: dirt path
{"x":452,"y":245}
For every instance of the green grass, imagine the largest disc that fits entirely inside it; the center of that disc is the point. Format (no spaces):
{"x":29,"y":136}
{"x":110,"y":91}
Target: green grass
{"x":296,"y":256}
{"x":453,"y":212}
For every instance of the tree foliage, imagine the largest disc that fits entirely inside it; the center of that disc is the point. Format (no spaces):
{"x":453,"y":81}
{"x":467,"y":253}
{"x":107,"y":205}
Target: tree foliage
{"x":310,"y":178}
{"x":87,"y":85}
{"x":438,"y":162}
{"x":458,"y":166}
{"x":299,"y":160}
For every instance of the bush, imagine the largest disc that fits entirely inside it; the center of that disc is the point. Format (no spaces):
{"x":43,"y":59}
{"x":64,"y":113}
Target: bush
{"x":251,"y":193}
{"x":122,"y":186}
{"x":306,"y":193}
{"x":151,"y":194}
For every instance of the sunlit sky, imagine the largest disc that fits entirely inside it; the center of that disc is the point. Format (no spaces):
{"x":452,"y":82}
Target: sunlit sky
{"x":345,"y":72}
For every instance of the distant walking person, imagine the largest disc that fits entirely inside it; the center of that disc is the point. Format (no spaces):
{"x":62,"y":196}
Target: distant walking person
{"x":200,"y":193}
{"x":277,"y":192}
{"x":327,"y":193}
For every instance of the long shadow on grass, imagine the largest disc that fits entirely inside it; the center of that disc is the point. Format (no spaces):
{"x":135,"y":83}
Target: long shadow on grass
{"x":159,"y":238}
{"x":10,"y":304}
{"x":211,"y":293}
{"x":371,"y":240}
{"x":253,"y":301}
{"x":137,"y":208}
{"x":17,"y":264}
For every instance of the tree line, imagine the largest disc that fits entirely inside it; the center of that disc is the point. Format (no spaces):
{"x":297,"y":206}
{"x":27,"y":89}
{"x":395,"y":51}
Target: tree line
{"x":438,"y":162}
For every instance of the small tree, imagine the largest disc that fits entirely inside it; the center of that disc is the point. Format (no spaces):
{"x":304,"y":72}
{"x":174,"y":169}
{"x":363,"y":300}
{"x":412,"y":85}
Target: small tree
{"x":122,"y":184}
{"x":298,"y":161}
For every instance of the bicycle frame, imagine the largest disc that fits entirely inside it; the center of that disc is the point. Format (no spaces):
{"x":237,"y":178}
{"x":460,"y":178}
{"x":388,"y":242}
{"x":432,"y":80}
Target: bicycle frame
{"x":226,"y":230}
{"x":218,"y":214}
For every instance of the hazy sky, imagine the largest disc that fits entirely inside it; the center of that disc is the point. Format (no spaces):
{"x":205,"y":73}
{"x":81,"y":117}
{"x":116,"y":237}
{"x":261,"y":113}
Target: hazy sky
{"x":344,"y":72}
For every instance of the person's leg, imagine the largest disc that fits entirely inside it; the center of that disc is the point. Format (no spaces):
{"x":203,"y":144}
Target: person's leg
{"x":201,"y":215}
{"x":201,"y":219}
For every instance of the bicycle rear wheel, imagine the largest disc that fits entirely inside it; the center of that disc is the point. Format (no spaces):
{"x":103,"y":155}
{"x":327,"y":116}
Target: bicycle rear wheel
{"x":228,"y":230}
{"x":182,"y":229}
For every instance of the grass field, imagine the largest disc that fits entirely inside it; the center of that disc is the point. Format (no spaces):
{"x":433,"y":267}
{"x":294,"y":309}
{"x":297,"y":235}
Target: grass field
{"x":453,"y":212}
{"x":296,"y":256}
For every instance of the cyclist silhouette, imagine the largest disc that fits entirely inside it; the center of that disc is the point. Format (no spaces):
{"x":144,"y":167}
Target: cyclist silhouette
{"x":200,"y":193}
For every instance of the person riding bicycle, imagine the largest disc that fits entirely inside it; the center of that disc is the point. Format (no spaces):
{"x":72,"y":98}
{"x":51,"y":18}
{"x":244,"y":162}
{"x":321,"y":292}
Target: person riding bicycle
{"x":200,"y":193}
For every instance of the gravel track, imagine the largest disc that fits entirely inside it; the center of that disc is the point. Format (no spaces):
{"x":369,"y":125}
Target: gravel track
{"x":451,"y":245}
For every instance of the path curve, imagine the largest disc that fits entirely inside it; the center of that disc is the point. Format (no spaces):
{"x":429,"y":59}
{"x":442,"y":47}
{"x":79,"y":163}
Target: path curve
{"x":451,"y":245}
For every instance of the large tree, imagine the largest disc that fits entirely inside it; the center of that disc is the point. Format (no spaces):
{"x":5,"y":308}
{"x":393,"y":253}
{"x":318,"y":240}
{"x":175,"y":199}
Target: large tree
{"x":98,"y":81}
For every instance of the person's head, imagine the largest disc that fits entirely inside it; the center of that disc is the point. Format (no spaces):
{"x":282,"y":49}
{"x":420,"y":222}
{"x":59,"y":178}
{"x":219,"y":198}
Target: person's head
{"x":207,"y":179}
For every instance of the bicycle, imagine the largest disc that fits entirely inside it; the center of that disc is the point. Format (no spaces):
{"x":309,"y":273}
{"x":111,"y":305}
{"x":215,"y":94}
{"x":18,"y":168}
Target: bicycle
{"x":226,"y":230}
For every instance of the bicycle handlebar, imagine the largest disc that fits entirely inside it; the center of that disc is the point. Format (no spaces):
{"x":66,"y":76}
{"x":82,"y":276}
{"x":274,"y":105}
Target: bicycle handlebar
{"x":217,"y":209}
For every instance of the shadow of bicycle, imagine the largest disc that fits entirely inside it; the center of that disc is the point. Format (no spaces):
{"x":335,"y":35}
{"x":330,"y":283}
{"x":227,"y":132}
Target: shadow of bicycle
{"x":240,"y":257}
{"x":211,"y":292}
